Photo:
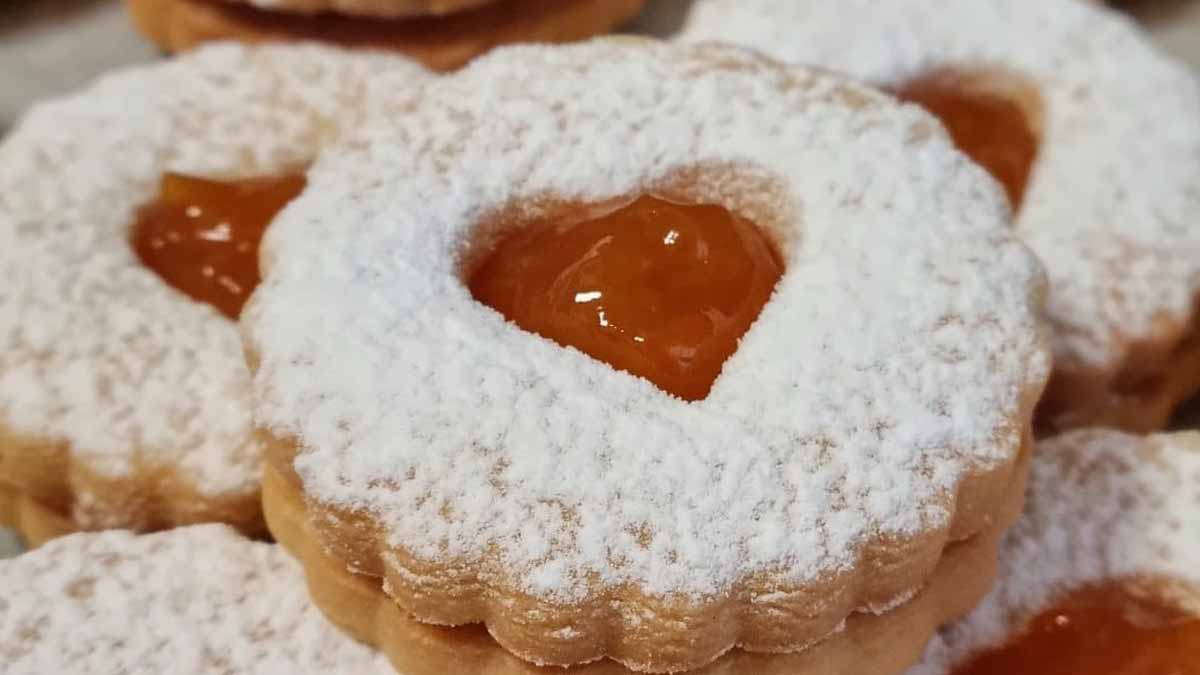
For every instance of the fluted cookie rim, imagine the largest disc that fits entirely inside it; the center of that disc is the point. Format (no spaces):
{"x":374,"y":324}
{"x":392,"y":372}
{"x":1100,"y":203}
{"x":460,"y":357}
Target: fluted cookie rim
{"x":884,"y":561}
{"x":34,"y":521}
{"x":533,"y":631}
{"x":54,"y":493}
{"x":866,"y":642}
{"x":1161,"y":370}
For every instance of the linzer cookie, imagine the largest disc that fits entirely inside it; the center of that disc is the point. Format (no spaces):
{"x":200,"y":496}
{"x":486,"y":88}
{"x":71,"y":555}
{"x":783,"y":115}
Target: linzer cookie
{"x":438,"y":37}
{"x":1095,"y":135}
{"x":636,"y":354}
{"x":129,"y":223}
{"x":193,"y":601}
{"x":1102,"y":572}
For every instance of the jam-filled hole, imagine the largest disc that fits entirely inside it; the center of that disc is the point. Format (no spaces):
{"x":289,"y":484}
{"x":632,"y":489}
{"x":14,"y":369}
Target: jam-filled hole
{"x":1113,"y":628}
{"x":202,"y":235}
{"x":993,"y":118}
{"x":655,"y":288}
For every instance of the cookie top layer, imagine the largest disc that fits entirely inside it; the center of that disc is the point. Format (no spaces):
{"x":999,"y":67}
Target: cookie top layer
{"x":900,"y":353}
{"x":1113,"y":202}
{"x":95,"y":349}
{"x":194,"y":600}
{"x":1102,"y":505}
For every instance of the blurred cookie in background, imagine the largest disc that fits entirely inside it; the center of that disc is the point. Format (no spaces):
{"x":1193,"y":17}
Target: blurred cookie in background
{"x":441,"y":34}
{"x":1175,"y":24}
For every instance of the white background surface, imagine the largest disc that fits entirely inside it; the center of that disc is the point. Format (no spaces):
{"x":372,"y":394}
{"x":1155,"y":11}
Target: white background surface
{"x":50,"y":47}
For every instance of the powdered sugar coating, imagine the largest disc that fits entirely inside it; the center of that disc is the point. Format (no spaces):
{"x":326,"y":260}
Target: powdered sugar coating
{"x":1113,"y":202}
{"x":95,"y":349}
{"x":1102,"y":505}
{"x":894,"y":357}
{"x":192,"y":601}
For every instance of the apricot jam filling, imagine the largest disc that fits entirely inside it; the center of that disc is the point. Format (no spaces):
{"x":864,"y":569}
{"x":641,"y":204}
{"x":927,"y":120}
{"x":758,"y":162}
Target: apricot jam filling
{"x":201,"y":236}
{"x":990,"y":128}
{"x":1107,"y":629}
{"x":655,"y":288}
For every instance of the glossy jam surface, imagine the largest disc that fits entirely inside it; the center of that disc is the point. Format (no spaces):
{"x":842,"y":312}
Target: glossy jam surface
{"x":991,"y":129}
{"x":657,"y":289}
{"x":1100,"y":630}
{"x":201,"y":236}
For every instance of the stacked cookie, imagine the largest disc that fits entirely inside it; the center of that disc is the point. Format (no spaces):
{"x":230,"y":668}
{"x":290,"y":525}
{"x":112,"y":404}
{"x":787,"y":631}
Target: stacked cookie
{"x":626,"y":356}
{"x":1102,"y":193}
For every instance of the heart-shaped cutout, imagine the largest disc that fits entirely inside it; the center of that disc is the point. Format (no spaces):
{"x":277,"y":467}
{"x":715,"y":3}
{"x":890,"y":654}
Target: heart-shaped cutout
{"x":655,"y":288}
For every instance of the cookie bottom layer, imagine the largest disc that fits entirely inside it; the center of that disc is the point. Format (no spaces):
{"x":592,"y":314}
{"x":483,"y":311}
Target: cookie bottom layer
{"x":1159,"y":374}
{"x":441,"y":43}
{"x":35,"y":522}
{"x":48,"y":483}
{"x":880,"y":644}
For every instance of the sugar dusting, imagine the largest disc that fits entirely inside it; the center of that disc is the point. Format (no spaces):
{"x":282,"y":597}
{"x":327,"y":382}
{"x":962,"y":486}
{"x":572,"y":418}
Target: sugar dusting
{"x":891,"y":360}
{"x":1102,"y":505}
{"x":1113,"y":201}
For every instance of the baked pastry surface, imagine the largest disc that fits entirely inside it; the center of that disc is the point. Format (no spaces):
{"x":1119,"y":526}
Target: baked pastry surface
{"x":873,"y":413}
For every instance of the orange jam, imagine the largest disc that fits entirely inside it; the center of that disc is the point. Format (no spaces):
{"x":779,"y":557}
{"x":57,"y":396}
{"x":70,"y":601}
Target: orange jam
{"x":991,"y":129}
{"x":202,"y":236}
{"x":1108,"y":629}
{"x":657,"y":289}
